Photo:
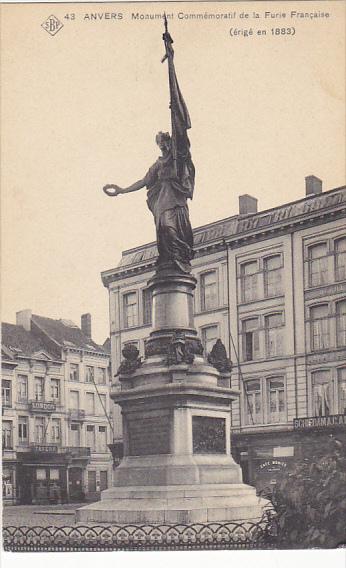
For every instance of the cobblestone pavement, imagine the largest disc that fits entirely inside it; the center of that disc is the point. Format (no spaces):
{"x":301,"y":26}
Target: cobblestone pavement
{"x":40,"y":515}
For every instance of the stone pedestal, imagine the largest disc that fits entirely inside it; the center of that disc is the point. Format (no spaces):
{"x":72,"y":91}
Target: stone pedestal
{"x":176,"y":409}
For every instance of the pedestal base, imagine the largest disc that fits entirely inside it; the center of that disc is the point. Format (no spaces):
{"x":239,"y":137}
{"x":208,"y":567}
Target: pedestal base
{"x":175,"y":504}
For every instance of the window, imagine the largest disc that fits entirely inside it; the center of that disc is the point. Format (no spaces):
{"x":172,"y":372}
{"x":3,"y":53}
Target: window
{"x":272,"y":267}
{"x":74,"y":400}
{"x":341,"y":323}
{"x":340,"y":259}
{"x":342,"y":390}
{"x":248,"y":274}
{"x":147,"y":306}
{"x":89,"y":374}
{"x":39,"y":429}
{"x":91,"y":481}
{"x":90,"y":403}
{"x":274,"y":334}
{"x":74,"y":435}
{"x":209,"y":292}
{"x":102,"y":439}
{"x":74,"y":372}
{"x":39,"y":388}
{"x":276,"y":400}
{"x":318,"y":265}
{"x":102,"y":404}
{"x":101,"y":374}
{"x":90,"y":437}
{"x":23,"y":437}
{"x":130,"y":309}
{"x":322,"y":393}
{"x":6,"y":393}
{"x":7,"y":437}
{"x":253,"y":402}
{"x":55,"y":389}
{"x":319,"y":327}
{"x":56,"y":430}
{"x":209,"y":336}
{"x":22,"y":385}
{"x":250,"y":339}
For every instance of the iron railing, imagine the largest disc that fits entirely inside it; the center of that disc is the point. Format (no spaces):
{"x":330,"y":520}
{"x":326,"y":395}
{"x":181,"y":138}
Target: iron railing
{"x":212,"y":536}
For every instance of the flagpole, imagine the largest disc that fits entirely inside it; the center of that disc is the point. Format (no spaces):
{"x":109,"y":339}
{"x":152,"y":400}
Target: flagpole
{"x":169,"y":56}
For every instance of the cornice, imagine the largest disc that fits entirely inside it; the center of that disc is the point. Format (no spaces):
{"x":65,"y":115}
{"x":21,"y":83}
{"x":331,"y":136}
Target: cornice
{"x":285,"y":219}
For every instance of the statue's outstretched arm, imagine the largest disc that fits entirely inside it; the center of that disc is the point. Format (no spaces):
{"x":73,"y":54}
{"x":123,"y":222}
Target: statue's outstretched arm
{"x":112,"y":190}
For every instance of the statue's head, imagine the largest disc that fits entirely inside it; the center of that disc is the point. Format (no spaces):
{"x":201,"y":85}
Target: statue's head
{"x":163,"y":140}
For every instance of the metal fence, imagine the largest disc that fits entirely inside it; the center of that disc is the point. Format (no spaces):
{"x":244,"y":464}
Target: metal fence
{"x":210,"y":536}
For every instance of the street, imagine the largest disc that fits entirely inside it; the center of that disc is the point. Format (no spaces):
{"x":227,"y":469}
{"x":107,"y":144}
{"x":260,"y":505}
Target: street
{"x":40,"y":515}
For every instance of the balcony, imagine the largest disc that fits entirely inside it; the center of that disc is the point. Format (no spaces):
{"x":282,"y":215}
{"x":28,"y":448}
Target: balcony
{"x":76,"y":414}
{"x":42,"y":406}
{"x":78,"y":452}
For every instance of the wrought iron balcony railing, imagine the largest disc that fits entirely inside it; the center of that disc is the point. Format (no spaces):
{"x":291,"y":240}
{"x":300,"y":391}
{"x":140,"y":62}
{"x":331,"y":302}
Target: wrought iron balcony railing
{"x":76,"y":414}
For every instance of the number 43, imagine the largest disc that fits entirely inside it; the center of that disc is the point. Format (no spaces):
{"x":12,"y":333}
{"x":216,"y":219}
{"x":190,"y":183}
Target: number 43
{"x":70,"y":17}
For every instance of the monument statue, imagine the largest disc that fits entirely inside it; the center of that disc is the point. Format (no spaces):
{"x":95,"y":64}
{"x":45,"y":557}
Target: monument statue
{"x":177,"y":465}
{"x":170,"y":181}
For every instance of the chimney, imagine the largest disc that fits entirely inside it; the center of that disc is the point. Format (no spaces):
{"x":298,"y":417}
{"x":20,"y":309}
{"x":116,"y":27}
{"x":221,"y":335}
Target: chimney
{"x":85,"y":323}
{"x":247,"y":204}
{"x":23,"y":318}
{"x":313,"y":185}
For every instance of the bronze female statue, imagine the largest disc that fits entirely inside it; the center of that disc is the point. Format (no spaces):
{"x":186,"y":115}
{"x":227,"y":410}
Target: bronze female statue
{"x":169,"y":187}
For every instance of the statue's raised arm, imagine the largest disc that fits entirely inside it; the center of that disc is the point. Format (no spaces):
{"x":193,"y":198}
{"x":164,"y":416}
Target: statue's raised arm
{"x":170,"y":181}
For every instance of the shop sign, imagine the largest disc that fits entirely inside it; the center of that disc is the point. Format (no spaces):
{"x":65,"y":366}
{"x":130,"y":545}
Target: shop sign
{"x":319,"y":422}
{"x":272,"y":466}
{"x":40,"y":406}
{"x":44,"y":449}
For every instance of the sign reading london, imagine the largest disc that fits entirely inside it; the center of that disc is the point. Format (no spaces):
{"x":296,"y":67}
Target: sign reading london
{"x":320,"y":422}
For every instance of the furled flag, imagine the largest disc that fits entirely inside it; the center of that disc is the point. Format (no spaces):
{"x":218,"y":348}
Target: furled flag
{"x":180,"y":118}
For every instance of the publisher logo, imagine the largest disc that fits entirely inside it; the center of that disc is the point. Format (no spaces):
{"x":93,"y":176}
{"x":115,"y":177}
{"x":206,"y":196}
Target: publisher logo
{"x":52,"y":25}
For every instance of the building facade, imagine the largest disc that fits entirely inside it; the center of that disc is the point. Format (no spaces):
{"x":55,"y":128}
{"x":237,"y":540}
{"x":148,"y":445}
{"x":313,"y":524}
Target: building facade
{"x":56,"y":423}
{"x":272,"y":286}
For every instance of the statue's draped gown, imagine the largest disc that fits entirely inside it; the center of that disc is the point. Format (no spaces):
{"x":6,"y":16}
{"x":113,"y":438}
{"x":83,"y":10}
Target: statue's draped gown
{"x":167,"y":200}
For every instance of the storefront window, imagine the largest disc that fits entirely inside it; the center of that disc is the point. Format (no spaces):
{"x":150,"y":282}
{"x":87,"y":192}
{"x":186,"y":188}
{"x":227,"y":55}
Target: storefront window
{"x":322,"y":393}
{"x":7,"y":483}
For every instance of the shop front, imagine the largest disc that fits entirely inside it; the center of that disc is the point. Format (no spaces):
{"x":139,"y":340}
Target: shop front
{"x":42,"y":476}
{"x":9,"y":475}
{"x":265,"y":456}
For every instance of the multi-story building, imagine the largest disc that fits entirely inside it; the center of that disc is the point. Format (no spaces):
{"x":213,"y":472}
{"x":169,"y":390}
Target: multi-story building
{"x":272,"y":286}
{"x":56,"y":423}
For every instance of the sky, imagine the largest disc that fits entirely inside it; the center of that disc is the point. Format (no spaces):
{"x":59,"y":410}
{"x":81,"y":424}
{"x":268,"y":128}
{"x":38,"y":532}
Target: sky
{"x":81,"y":109}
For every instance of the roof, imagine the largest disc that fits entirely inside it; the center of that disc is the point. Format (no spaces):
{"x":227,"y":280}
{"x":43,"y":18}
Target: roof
{"x":239,"y":226}
{"x":18,"y":341}
{"x":66,"y":333}
{"x":107,"y":345}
